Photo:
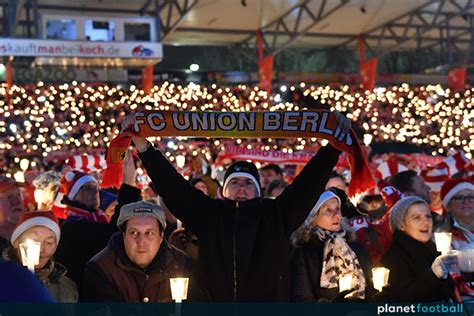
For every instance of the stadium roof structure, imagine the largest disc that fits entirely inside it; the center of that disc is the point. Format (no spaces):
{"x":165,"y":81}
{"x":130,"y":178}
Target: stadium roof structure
{"x":386,"y":25}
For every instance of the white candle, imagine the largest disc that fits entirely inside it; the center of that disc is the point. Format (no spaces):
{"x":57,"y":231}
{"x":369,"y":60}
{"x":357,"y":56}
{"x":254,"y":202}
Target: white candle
{"x":443,"y":242}
{"x":30,"y":253}
{"x":179,"y":289}
{"x":380,"y":277}
{"x":345,"y":282}
{"x":179,"y":224}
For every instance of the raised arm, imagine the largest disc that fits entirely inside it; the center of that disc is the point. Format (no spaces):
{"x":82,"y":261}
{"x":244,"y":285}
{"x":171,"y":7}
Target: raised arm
{"x":299,"y":198}
{"x":187,"y":203}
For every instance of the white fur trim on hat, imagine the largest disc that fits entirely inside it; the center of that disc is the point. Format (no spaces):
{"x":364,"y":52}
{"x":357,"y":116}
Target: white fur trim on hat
{"x":78,"y":184}
{"x":322,"y":198}
{"x":241,"y":174}
{"x":36,"y":221}
{"x":456,"y":189}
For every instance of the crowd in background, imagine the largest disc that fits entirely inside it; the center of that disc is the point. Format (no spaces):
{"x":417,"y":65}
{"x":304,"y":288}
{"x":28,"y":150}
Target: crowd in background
{"x":253,"y":233}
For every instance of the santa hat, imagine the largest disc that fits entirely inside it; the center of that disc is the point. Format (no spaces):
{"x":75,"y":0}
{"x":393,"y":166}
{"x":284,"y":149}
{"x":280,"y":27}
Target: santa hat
{"x":31,"y":219}
{"x":451,"y":187}
{"x":389,"y":168}
{"x":435,"y":176}
{"x":59,"y":209}
{"x":242,"y":169}
{"x":72,"y":182}
{"x":389,"y":193}
{"x":456,"y":162}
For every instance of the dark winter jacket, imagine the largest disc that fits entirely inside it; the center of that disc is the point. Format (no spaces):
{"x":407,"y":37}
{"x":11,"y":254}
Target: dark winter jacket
{"x":411,"y":278}
{"x":306,"y":266}
{"x":53,"y":276}
{"x":243,"y":246}
{"x":18,"y":285}
{"x":81,"y":239}
{"x":4,"y":243}
{"x":112,"y":277}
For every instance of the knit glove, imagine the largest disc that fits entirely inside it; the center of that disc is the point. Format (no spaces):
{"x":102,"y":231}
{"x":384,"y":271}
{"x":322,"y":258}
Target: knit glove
{"x":441,"y":266}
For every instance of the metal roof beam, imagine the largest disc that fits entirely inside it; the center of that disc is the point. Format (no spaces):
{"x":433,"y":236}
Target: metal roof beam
{"x":18,"y":10}
{"x":292,"y":28}
{"x":413,"y":24}
{"x":145,"y":7}
{"x":174,"y":12}
{"x":309,"y":35}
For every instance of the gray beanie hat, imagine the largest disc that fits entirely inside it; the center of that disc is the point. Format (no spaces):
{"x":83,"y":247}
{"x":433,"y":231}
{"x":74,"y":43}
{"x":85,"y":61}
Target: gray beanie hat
{"x":141,"y":208}
{"x":399,"y":209}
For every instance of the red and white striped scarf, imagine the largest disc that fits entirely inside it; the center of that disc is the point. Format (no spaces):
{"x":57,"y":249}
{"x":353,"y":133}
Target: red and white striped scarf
{"x":98,"y":216}
{"x":87,"y":163}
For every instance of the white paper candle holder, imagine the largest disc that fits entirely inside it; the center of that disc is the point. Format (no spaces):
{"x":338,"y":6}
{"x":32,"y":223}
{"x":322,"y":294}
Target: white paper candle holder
{"x":380,"y":277}
{"x":30,"y":254}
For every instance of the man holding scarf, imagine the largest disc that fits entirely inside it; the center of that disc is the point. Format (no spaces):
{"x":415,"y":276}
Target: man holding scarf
{"x":244,"y":239}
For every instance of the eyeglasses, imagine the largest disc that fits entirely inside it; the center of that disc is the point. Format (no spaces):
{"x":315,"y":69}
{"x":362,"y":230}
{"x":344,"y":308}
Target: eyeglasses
{"x":463,"y":198}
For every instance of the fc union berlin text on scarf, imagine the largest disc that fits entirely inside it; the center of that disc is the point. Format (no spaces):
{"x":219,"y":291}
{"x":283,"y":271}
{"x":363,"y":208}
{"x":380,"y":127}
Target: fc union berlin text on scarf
{"x":304,"y":124}
{"x":238,"y":124}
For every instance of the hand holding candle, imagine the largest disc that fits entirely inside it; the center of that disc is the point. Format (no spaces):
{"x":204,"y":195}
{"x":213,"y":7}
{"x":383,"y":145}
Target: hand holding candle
{"x":380,"y":277}
{"x":443,"y":242}
{"x":345,"y":282}
{"x":30,"y":254}
{"x":179,"y":289}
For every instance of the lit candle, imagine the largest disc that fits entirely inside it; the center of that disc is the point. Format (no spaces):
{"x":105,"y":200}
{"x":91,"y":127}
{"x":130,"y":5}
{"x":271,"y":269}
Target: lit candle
{"x":345,"y":282}
{"x":380,"y":277}
{"x":30,"y":253}
{"x":179,"y":289}
{"x":443,"y":242}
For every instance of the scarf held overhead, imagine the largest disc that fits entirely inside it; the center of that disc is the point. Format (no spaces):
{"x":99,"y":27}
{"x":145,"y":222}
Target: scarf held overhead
{"x":306,"y":124}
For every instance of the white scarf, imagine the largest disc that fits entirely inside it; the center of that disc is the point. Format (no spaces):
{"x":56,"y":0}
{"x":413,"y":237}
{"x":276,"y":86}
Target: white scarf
{"x":339,"y":259}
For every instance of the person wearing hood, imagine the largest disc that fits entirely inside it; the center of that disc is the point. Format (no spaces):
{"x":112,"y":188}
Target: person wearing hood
{"x":322,"y":255}
{"x":418,"y":273}
{"x":43,"y":227}
{"x":137,"y":263}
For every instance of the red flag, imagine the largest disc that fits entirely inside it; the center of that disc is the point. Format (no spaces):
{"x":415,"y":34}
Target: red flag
{"x":265,"y":69}
{"x":368,"y":72}
{"x":147,"y":78}
{"x":457,"y":79}
{"x":9,"y":75}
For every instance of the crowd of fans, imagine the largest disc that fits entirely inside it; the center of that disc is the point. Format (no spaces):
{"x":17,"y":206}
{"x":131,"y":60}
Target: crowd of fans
{"x":48,"y":123}
{"x":247,"y":235}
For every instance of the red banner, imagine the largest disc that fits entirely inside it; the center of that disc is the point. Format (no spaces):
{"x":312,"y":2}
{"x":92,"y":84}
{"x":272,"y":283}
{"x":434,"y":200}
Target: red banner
{"x":147,"y":78}
{"x":271,"y":156}
{"x":265,"y":70}
{"x":9,"y":75}
{"x":368,"y":72}
{"x":457,"y":79}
